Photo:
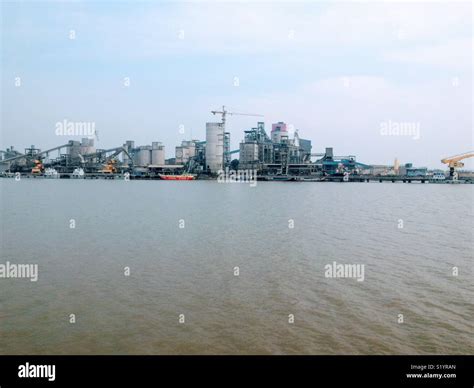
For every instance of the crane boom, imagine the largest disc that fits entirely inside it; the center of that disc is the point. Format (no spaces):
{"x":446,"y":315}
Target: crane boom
{"x":38,"y":154}
{"x":454,"y":162}
{"x":457,"y":158}
{"x":225,"y":112}
{"x":245,"y":114}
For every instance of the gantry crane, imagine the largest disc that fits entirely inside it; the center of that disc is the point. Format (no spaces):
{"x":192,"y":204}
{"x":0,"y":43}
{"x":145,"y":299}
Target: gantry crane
{"x":454,"y":162}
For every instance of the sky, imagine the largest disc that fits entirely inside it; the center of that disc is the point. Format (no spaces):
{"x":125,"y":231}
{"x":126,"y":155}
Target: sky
{"x":344,"y":74}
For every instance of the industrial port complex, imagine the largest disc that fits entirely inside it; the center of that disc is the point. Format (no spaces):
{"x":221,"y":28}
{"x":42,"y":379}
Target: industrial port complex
{"x":278,"y":156}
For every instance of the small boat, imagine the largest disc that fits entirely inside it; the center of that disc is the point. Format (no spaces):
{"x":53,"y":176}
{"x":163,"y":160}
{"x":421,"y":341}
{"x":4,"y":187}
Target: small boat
{"x":183,"y":177}
{"x":78,"y":173}
{"x":51,"y":173}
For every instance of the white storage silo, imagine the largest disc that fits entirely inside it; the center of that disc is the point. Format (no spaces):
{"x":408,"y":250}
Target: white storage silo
{"x":214,"y":146}
{"x":157,"y":153}
{"x":144,"y":156}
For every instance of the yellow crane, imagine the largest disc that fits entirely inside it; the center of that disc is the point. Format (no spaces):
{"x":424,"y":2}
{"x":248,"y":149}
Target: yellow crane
{"x":109,"y":167}
{"x":454,"y":162}
{"x":38,"y":168}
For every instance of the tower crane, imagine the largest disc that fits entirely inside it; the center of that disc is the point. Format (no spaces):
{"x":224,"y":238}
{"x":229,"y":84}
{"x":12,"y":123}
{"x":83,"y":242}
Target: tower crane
{"x":455,"y":162}
{"x":225,"y":112}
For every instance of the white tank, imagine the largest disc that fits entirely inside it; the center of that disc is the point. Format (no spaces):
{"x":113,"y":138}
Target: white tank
{"x":144,"y":156}
{"x":157,"y":153}
{"x":87,"y":146}
{"x":214,"y":146}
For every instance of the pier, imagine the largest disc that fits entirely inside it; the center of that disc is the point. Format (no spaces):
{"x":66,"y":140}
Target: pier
{"x":266,"y":178}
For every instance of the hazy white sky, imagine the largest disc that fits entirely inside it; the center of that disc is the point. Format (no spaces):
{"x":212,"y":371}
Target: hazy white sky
{"x":337,"y":71}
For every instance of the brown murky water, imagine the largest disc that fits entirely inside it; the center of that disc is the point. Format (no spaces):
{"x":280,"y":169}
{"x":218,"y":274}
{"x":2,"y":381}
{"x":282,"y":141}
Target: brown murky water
{"x":190,"y":270}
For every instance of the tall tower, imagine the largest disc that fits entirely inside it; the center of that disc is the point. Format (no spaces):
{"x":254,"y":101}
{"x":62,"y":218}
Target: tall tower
{"x":396,"y":166}
{"x":215,"y":139}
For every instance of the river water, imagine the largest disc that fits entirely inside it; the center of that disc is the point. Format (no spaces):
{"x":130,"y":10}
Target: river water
{"x":243,"y":267}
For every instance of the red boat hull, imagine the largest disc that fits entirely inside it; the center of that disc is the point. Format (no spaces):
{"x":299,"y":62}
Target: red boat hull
{"x":177,"y":177}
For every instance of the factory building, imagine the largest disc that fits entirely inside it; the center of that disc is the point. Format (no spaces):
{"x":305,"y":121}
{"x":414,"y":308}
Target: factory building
{"x":197,"y":162}
{"x":83,"y":147}
{"x":379,"y":169}
{"x":277,"y":154}
{"x":279,"y":130}
{"x":146,"y":155}
{"x":409,"y":170}
{"x":185,"y":151}
{"x":11,"y":153}
{"x":305,"y":146}
{"x":256,"y":149}
{"x":248,"y":155}
{"x":282,"y":152}
{"x":331,"y":164}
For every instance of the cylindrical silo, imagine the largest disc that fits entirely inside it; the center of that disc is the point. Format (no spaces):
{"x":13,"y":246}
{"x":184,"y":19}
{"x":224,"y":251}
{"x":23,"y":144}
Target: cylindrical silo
{"x":214,"y":146}
{"x":144,"y":156}
{"x":87,"y":146}
{"x":157,"y":153}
